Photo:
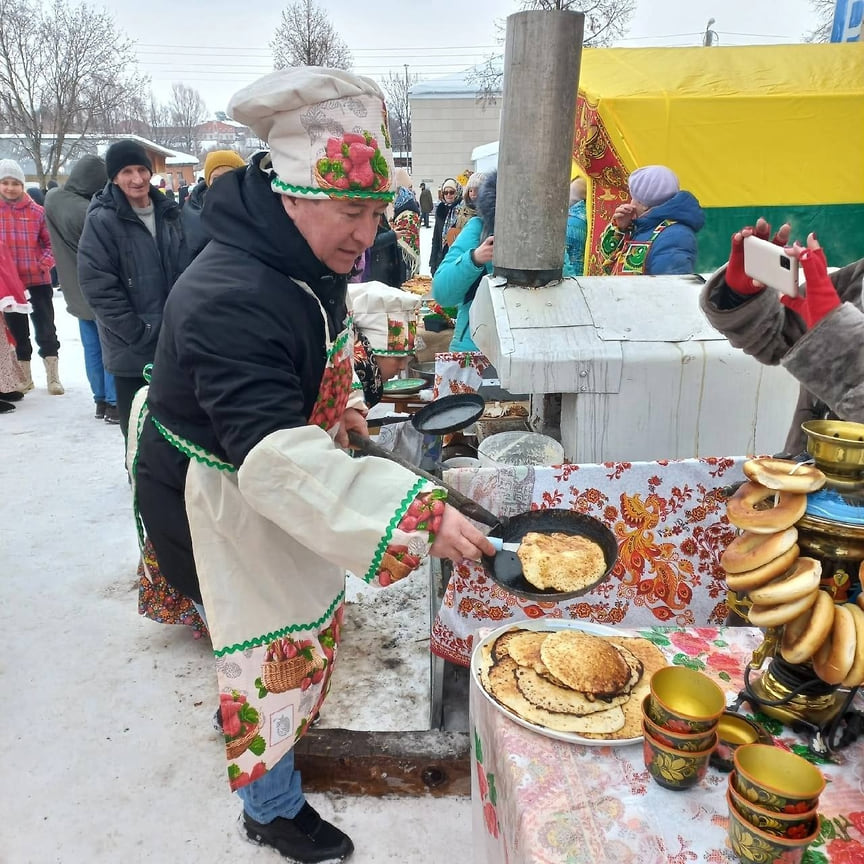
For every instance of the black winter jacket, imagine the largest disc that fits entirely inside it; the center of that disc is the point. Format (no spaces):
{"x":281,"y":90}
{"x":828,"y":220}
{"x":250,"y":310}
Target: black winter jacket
{"x":196,"y":237}
{"x":125,"y":275}
{"x":241,"y":352}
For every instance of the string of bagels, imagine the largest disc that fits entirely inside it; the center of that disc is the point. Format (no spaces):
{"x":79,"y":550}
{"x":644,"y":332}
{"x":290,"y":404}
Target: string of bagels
{"x":765,"y":563}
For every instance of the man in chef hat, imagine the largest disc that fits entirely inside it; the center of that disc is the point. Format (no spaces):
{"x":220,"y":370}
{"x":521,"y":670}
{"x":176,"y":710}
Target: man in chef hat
{"x":248,"y":411}
{"x":385,"y":320}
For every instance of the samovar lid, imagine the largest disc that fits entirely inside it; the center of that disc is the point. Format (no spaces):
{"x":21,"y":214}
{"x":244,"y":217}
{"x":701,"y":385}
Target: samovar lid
{"x":834,"y":506}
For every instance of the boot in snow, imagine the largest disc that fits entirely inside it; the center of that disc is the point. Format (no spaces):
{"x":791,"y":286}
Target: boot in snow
{"x":27,"y":386}
{"x":55,"y":388}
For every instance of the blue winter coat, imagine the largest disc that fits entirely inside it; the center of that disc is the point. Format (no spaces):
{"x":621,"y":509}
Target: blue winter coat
{"x":455,"y":275}
{"x":674,"y":250}
{"x":125,"y":275}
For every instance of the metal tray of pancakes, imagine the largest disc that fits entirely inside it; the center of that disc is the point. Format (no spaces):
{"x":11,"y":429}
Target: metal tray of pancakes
{"x":573,"y":688}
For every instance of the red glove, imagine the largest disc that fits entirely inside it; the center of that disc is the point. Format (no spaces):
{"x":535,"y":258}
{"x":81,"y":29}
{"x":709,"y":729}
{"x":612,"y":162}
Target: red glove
{"x":821,"y":297}
{"x":736,"y":278}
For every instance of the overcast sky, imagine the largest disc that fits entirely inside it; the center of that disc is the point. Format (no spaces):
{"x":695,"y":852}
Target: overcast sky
{"x":218,"y":46}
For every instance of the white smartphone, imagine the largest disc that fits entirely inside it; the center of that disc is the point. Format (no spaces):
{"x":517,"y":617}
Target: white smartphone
{"x":770,"y":264}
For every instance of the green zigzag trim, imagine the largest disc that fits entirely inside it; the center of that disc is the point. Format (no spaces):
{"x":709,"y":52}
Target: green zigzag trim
{"x":283,"y":188}
{"x":276,"y":634}
{"x":193,"y":451}
{"x":343,"y":337}
{"x":385,"y":540}
{"x":404,"y":353}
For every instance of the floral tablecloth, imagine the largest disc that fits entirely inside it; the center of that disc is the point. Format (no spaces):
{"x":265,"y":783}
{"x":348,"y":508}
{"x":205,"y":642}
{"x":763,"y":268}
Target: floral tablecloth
{"x":536,"y":800}
{"x":670,"y":521}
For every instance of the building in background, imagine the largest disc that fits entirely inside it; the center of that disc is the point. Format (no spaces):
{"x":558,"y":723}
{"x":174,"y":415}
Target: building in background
{"x":449,"y":119}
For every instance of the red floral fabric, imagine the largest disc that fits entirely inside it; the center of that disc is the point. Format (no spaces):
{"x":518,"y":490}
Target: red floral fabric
{"x":670,"y":521}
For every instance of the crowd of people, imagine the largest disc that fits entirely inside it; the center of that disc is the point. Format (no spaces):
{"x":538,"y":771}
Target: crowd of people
{"x":240,"y":339}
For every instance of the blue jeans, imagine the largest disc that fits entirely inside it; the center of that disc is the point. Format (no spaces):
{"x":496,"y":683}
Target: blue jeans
{"x":276,"y":793}
{"x":101,"y":382}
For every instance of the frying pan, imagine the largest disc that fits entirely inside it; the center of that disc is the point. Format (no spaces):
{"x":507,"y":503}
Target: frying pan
{"x":505,"y":568}
{"x":443,"y":416}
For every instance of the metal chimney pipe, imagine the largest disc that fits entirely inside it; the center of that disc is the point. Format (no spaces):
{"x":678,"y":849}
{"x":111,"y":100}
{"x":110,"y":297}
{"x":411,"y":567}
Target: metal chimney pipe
{"x":542,"y":56}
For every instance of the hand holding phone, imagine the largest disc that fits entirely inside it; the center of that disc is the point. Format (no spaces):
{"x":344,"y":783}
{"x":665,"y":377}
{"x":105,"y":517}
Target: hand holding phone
{"x":771,"y":265}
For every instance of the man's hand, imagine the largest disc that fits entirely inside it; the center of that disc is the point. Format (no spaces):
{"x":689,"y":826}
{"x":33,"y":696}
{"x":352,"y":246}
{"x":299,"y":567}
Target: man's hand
{"x":352,"y":421}
{"x":624,"y":215}
{"x":457,"y":538}
{"x":736,"y":278}
{"x":484,"y":253}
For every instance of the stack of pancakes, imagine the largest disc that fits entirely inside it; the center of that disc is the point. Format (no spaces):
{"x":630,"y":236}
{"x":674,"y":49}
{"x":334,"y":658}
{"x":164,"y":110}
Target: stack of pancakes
{"x":571,"y":681}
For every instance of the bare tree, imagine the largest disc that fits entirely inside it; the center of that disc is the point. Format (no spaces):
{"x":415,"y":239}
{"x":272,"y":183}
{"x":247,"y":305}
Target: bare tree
{"x":307,"y":38}
{"x":396,"y":89}
{"x":824,"y":11}
{"x":605,"y":21}
{"x":187,"y":113}
{"x":159,"y":129}
{"x":63,"y":70}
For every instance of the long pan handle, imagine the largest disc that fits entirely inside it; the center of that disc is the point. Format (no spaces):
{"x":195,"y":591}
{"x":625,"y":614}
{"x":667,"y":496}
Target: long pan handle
{"x":466,"y":506}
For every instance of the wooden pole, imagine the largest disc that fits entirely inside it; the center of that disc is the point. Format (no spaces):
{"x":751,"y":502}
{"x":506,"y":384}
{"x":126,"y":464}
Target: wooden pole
{"x":542,"y":56}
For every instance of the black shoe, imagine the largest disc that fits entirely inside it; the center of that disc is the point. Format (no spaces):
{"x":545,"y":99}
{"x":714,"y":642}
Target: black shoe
{"x":101,"y":405}
{"x":306,"y":838}
{"x":13,"y":396}
{"x":111,"y":415}
{"x":6,"y":407}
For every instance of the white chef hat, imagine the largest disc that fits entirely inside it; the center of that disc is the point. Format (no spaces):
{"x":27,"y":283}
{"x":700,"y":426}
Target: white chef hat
{"x":327,"y":131}
{"x":386,"y":316}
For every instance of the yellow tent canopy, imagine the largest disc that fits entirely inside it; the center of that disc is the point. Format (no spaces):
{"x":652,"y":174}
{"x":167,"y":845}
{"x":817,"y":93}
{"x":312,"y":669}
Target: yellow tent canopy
{"x":760,"y":130}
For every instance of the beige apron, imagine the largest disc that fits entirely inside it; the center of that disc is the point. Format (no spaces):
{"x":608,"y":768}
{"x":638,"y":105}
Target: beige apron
{"x":272,"y":542}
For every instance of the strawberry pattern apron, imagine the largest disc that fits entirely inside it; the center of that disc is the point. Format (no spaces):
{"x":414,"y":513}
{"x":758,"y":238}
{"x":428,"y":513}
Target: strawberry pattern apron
{"x":272,"y":542}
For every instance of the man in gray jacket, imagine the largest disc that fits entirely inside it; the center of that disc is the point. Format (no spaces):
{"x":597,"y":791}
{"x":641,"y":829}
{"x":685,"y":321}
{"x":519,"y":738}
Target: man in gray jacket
{"x":818,"y":338}
{"x":65,"y":212}
{"x":132,"y":250}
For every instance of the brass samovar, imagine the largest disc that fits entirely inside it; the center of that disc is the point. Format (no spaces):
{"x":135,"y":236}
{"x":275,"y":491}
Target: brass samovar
{"x":831,"y":531}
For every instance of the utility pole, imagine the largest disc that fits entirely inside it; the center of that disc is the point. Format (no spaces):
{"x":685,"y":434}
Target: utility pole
{"x":407,"y":130}
{"x":710,"y":38}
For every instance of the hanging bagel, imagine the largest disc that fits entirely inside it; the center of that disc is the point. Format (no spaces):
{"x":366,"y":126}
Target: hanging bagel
{"x":855,"y":676}
{"x":834,"y":659}
{"x":750,"y":510}
{"x":803,"y":579}
{"x":764,"y":574}
{"x":803,"y":636}
{"x":749,"y":551}
{"x":784,"y":475}
{"x":774,"y":616}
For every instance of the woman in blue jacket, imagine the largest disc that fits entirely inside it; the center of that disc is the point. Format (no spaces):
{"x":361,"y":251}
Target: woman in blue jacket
{"x":655,"y":232}
{"x":468,"y":260}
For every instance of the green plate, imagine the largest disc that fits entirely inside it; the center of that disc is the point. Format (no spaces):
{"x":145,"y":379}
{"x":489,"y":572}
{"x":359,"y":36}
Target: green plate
{"x":404,"y":385}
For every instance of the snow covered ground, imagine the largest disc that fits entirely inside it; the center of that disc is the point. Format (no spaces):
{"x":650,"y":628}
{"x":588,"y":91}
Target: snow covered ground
{"x":108,"y":750}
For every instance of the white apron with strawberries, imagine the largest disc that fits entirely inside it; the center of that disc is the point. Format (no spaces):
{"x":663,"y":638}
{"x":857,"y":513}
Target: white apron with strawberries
{"x":272,"y":542}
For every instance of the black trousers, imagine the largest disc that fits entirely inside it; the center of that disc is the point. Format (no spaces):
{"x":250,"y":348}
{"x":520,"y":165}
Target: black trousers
{"x":126,"y":390}
{"x":159,"y":482}
{"x":424,"y":220}
{"x":44,"y":331}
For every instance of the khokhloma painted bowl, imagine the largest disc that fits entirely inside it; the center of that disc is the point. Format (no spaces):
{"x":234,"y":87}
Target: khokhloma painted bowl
{"x":754,"y":846}
{"x":791,"y":826}
{"x":684,"y":700}
{"x":675,"y":769}
{"x":776,"y":779}
{"x":691,"y":743}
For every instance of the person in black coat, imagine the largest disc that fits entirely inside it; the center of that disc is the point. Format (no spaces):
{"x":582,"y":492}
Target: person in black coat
{"x":131,"y":252}
{"x":217,"y":163}
{"x":445,"y":217}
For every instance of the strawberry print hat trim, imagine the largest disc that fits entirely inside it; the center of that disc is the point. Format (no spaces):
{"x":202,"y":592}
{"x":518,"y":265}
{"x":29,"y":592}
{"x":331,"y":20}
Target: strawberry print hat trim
{"x":326,"y":129}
